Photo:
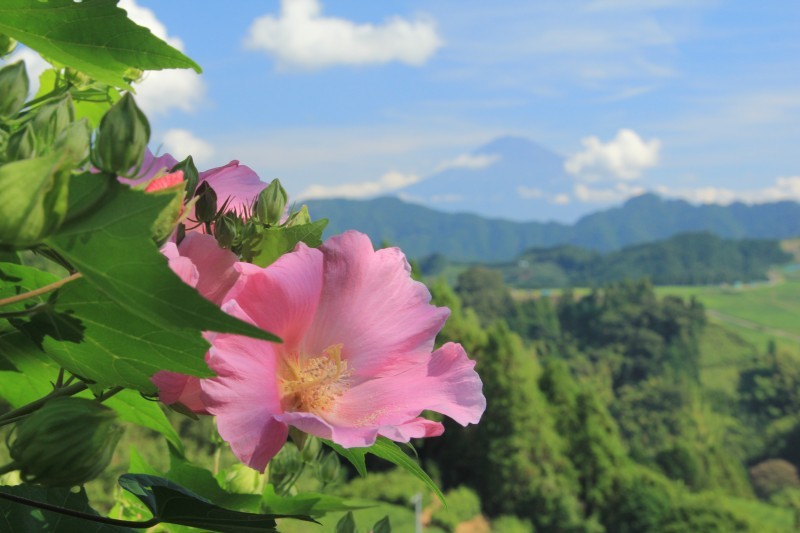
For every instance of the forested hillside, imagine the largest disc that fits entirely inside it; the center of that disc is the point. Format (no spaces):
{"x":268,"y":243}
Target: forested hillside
{"x":685,"y":259}
{"x":597,"y":418}
{"x":466,"y":237}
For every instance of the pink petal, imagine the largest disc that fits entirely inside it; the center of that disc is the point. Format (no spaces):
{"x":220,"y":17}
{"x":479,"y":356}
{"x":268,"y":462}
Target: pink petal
{"x":244,"y":398}
{"x":165,"y":182}
{"x":179,"y":388}
{"x":370,"y":304}
{"x":151,"y":166}
{"x":182,"y":266}
{"x":215,"y":265}
{"x":417,"y":428}
{"x":234,"y":181}
{"x":447,"y":384}
{"x":283,"y":298}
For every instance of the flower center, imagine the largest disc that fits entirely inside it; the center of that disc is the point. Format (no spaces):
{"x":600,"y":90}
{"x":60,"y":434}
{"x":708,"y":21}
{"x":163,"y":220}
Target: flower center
{"x":312,"y":385}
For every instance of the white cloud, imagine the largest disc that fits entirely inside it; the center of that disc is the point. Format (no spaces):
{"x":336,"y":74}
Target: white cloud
{"x":388,"y":182}
{"x":621,"y":191}
{"x":302,"y":37}
{"x":529,"y":193}
{"x":446,"y":198}
{"x":182,"y":143}
{"x":469,"y":161}
{"x":163,"y":90}
{"x":784,"y":188}
{"x":624,"y":157}
{"x":561,"y":199}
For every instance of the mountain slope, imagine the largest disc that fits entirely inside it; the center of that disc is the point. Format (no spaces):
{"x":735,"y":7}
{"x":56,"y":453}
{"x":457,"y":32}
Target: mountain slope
{"x":511,"y":177}
{"x":421,"y":231}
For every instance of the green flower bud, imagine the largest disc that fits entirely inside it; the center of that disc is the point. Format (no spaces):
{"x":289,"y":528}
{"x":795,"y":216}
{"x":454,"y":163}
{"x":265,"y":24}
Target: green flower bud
{"x":298,"y":218}
{"x":311,"y":449}
{"x":225,"y":231}
{"x":190,"y":174}
{"x":283,"y":466}
{"x":21,"y":144}
{"x":7,"y":44}
{"x":122,"y":138}
{"x":67,"y":442}
{"x":270,"y":203}
{"x":13,"y":88}
{"x":51,"y":119}
{"x":205,"y":210}
{"x":327,"y":469}
{"x":74,"y":141}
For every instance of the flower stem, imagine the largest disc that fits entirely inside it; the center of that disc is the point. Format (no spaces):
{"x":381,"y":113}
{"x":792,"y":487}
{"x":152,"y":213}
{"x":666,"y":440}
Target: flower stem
{"x":10,"y":467}
{"x":16,"y":414}
{"x":79,"y":514}
{"x":41,"y":290}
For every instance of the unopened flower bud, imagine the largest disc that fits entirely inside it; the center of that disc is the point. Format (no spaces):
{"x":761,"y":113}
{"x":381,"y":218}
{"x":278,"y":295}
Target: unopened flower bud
{"x":170,"y":184}
{"x":13,"y":88}
{"x":271,"y":202}
{"x":74,"y":141}
{"x":51,"y":119}
{"x":67,"y":442}
{"x":7,"y":44}
{"x":327,"y":469}
{"x":190,"y":174}
{"x":122,"y":138}
{"x":205,"y":209}
{"x":225,"y":231}
{"x":284,"y":465}
{"x":21,"y":144}
{"x":311,"y":449}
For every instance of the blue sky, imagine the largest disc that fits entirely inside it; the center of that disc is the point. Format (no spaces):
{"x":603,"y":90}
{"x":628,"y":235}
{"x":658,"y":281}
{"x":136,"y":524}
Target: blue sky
{"x":698,"y":99}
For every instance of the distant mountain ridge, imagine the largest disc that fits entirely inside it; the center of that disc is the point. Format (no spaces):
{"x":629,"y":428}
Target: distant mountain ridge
{"x":422,"y":231}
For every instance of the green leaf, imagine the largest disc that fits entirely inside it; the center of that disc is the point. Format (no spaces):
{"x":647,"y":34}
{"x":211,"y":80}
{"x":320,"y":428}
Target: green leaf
{"x":347,"y":524}
{"x":34,"y":198}
{"x":17,"y":279}
{"x":93,"y":36}
{"x":112,"y":247}
{"x":382,"y":526}
{"x":173,"y":504}
{"x":26,"y":373}
{"x":96,"y":338}
{"x":278,"y":241}
{"x":390,"y":451}
{"x":309,"y":503}
{"x":131,"y":407}
{"x":356,"y":456}
{"x":18,"y":517}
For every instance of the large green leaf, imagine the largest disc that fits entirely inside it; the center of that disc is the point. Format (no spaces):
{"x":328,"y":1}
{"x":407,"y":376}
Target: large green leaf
{"x":93,"y":36}
{"x":390,"y":451}
{"x":112,"y":247}
{"x":25,"y":371}
{"x":132,"y":407}
{"x":309,"y":503}
{"x":173,"y":504}
{"x":96,"y":338}
{"x":19,"y":517}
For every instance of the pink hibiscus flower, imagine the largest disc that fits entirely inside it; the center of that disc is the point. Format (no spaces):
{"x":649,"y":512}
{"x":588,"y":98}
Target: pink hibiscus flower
{"x":201,"y":263}
{"x":238,"y":184}
{"x":357,"y":357}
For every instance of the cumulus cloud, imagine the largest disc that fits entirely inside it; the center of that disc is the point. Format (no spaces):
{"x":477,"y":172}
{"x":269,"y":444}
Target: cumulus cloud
{"x":621,"y":191}
{"x":624,"y":157}
{"x":388,"y":182}
{"x":163,"y":90}
{"x":469,"y":161}
{"x":783,"y":188}
{"x":182,"y":143}
{"x":561,"y":199}
{"x":302,"y":37}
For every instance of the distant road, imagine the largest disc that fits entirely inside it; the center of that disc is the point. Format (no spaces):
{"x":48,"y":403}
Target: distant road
{"x":752,"y":325}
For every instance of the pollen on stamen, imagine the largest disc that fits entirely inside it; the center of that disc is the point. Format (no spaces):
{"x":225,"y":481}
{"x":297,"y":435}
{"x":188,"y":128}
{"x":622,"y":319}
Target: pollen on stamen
{"x":312,"y":385}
